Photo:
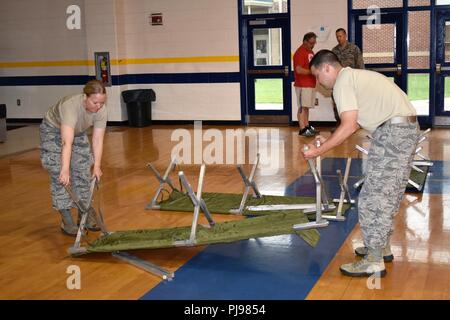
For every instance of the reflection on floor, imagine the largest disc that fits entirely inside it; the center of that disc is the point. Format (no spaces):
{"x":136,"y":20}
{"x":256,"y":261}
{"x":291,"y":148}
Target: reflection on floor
{"x":20,"y":140}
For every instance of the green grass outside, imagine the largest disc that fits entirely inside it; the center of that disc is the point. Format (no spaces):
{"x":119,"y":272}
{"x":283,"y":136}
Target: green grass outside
{"x":271,"y":91}
{"x":419,"y":87}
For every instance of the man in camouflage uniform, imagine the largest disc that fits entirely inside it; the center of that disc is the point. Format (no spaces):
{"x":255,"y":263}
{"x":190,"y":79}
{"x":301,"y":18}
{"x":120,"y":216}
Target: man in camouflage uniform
{"x":369,"y":100}
{"x":66,"y":151}
{"x":349,"y":55}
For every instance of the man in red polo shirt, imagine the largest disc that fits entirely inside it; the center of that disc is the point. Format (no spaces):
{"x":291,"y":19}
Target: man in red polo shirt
{"x":305,"y":84}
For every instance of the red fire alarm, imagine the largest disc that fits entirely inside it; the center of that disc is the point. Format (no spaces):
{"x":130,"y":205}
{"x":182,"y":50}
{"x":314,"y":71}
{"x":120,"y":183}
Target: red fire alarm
{"x":156,"y":19}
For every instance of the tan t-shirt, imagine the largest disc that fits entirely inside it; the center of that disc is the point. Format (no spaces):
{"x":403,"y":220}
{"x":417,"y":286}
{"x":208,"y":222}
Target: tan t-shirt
{"x":374,"y":96}
{"x":71,"y":112}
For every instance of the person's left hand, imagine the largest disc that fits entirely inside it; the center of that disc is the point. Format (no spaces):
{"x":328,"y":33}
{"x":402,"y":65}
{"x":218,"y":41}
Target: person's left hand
{"x":97,"y":173}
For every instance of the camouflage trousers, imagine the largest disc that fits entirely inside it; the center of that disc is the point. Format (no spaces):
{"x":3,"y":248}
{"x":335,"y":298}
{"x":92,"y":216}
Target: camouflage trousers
{"x":387,"y":173}
{"x":80,"y":165}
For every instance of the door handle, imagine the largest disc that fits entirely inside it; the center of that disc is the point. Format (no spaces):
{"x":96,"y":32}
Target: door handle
{"x":440,"y":68}
{"x":383,"y":69}
{"x":269,"y":71}
{"x":399,"y":69}
{"x":286,"y":71}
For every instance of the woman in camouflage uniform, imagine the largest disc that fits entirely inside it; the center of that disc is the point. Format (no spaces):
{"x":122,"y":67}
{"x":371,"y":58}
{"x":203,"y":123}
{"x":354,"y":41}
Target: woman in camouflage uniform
{"x":66,"y":151}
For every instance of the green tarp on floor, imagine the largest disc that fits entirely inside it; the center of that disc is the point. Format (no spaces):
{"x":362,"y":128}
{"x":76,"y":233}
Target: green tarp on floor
{"x":268,"y":223}
{"x":272,"y":224}
{"x":224,"y":202}
{"x":419,"y":178}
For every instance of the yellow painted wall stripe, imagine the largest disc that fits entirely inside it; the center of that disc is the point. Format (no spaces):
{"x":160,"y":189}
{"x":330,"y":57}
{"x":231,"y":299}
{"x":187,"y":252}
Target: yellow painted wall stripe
{"x":32,"y":64}
{"x":81,"y":63}
{"x":177,"y":60}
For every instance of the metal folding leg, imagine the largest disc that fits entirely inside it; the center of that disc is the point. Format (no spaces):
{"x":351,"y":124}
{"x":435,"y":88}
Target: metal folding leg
{"x":320,"y":222}
{"x":162,"y":181}
{"x":199,"y":203}
{"x":345,"y":193}
{"x":326,"y":205}
{"x":422,"y":138}
{"x":77,"y":249}
{"x":250,"y":184}
{"x":306,"y":207}
{"x":84,"y":211}
{"x":144,"y":265}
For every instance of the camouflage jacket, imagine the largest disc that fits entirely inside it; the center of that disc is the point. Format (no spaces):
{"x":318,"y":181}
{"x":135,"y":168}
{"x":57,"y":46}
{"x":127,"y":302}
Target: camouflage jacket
{"x":349,"y":56}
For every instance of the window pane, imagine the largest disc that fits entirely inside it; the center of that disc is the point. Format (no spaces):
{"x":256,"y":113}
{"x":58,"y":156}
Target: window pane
{"x":418,"y":3}
{"x":447,"y":41}
{"x":447,"y":95}
{"x":442,"y":2}
{"x":419,"y":92}
{"x":267,"y":47}
{"x":269,"y":94}
{"x":419,"y":40}
{"x":264,"y":6}
{"x":379,"y":43}
{"x":363,"y":4}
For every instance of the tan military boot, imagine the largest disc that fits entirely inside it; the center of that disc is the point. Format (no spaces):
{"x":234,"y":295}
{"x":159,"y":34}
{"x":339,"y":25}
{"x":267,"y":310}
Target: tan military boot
{"x":68,"y":227}
{"x":387,"y":253}
{"x":371,"y":264}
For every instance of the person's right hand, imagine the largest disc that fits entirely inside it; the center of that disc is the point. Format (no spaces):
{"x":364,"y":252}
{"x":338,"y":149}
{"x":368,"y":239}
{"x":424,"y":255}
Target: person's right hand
{"x":64,"y":177}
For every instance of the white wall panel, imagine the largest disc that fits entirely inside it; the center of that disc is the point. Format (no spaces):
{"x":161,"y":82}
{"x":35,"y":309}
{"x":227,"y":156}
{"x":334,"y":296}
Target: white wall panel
{"x":195,"y":101}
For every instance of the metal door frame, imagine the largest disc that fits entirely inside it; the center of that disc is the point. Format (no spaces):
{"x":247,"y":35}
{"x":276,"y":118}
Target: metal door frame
{"x":255,"y":21}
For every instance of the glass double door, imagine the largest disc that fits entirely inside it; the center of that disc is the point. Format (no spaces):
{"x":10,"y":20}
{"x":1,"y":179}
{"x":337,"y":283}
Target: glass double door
{"x":380,"y":39}
{"x":385,"y":49}
{"x":267,"y":70}
{"x":383,"y":39}
{"x":442,"y":68}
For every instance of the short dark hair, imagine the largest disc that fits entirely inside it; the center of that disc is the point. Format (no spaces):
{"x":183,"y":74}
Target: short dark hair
{"x":324,"y":56}
{"x":308,"y":36}
{"x":341,"y":30}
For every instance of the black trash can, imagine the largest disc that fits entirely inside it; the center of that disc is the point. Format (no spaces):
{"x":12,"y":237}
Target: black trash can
{"x":139,"y":106}
{"x":2,"y":122}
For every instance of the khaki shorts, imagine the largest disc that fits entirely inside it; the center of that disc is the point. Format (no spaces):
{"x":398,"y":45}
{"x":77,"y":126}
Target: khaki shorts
{"x":306,"y":97}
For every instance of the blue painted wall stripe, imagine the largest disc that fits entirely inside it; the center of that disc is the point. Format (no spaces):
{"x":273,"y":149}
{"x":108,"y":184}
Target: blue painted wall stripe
{"x":147,"y":78}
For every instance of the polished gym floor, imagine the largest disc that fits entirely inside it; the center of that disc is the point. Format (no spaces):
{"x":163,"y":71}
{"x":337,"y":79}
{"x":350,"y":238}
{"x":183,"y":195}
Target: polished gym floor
{"x":34,"y":259}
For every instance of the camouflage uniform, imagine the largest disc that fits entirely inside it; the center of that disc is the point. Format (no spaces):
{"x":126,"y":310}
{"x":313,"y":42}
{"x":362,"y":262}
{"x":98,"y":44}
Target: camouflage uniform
{"x":387,"y":174}
{"x":349,"y":56}
{"x":80,"y":165}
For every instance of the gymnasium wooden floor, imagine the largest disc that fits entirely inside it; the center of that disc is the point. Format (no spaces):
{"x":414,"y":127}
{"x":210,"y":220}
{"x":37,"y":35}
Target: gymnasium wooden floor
{"x":34,"y":259}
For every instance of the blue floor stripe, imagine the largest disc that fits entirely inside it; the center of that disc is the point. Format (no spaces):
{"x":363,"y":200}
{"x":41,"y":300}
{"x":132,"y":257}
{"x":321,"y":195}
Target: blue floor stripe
{"x":281,"y":267}
{"x":273,"y":268}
